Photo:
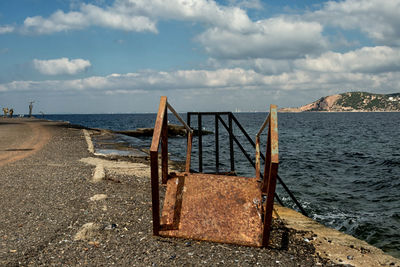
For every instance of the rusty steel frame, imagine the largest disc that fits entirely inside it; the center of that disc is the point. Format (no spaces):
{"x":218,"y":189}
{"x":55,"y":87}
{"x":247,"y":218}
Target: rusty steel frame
{"x":252,"y":143}
{"x":268,"y":184}
{"x":160,"y":134}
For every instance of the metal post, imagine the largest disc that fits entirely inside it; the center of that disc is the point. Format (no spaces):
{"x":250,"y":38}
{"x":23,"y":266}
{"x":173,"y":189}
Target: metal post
{"x":189,"y":151}
{"x":199,"y":132}
{"x":155,"y":197}
{"x":188,"y":119}
{"x":164,"y":149}
{"x":232,"y":156}
{"x":216,"y":144}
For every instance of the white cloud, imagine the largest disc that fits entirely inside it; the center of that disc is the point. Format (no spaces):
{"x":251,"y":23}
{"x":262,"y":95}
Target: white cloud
{"x":250,"y":4}
{"x":89,"y":15}
{"x":6,"y":29}
{"x":379,"y":19}
{"x":61,"y":66}
{"x":220,"y":79}
{"x":271,"y":38}
{"x":139,"y":15}
{"x":230,"y":33}
{"x":366,"y":60}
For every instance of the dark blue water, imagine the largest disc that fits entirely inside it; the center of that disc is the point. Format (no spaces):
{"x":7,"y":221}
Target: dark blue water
{"x":343,"y":167}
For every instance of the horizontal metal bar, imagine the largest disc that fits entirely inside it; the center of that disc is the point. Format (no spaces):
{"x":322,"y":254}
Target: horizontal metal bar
{"x":208,"y":113}
{"x":179,"y":118}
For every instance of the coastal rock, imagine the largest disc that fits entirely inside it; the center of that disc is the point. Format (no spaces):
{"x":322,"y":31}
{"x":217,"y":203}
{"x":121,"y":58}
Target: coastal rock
{"x":352,"y":101}
{"x":173,"y":130}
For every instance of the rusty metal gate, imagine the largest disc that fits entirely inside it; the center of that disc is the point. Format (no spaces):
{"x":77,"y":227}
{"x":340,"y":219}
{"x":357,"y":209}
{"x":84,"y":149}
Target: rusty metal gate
{"x":213,"y":207}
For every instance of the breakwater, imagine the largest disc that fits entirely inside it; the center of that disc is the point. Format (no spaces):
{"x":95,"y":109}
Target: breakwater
{"x":343,"y":167}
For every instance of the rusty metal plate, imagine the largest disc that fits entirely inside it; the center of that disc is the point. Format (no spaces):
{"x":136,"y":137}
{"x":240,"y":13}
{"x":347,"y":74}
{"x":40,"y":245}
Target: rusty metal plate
{"x":214,"y":208}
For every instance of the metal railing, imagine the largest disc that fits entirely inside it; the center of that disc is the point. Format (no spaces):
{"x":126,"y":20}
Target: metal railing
{"x":160,"y":134}
{"x":232,"y":121}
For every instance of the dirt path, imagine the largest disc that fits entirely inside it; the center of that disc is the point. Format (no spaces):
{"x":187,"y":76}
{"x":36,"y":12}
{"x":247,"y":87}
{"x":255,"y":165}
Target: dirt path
{"x":20,"y":138}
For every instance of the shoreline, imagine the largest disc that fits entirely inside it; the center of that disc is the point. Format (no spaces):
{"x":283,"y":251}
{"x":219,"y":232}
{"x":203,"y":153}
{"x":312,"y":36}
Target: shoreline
{"x":337,"y":247}
{"x":119,"y":176}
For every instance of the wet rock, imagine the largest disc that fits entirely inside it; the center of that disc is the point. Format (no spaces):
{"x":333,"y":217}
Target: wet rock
{"x":173,"y":130}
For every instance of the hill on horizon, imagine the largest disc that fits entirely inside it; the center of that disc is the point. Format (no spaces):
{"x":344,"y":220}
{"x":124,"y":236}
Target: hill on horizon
{"x":352,"y":102}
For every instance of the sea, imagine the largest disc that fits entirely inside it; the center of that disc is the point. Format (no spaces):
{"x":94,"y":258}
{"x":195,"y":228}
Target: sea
{"x":344,"y":168}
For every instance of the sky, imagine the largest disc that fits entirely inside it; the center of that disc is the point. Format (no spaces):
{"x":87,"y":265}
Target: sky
{"x":120,"y":56}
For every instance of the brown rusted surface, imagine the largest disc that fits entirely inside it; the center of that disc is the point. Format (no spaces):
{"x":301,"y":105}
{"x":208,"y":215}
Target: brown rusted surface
{"x":164,"y":149}
{"x":158,"y":126}
{"x":214,"y":208}
{"x":270,"y":172}
{"x":274,"y":134}
{"x":189,"y":151}
{"x":161,"y":134}
{"x":155,"y":194}
{"x":219,"y":208}
{"x":270,"y":203}
{"x":258,"y":157}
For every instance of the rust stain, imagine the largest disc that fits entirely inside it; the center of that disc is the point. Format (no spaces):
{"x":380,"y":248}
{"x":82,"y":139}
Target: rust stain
{"x":214,"y":208}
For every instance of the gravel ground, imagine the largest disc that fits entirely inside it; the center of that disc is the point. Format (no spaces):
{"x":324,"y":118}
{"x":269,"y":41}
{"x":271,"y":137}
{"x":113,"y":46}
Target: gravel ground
{"x":45,"y":202}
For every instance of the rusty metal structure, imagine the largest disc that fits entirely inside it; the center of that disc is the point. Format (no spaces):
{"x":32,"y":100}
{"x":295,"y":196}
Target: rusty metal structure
{"x":213,"y":207}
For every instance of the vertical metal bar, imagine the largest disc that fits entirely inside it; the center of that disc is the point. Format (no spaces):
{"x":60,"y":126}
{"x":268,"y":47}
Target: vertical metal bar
{"x":258,"y":158}
{"x":270,"y":204}
{"x":267,"y":163}
{"x":188,"y":119}
{"x":199,"y":133}
{"x":189,"y":151}
{"x":155,"y":198}
{"x":231,"y":143}
{"x":216,"y":144}
{"x":164,"y":148}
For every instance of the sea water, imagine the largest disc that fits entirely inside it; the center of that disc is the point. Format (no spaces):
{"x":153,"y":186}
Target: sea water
{"x":344,"y":168}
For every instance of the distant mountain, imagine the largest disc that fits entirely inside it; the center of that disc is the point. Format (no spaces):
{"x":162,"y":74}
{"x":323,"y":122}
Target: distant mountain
{"x":352,"y":101}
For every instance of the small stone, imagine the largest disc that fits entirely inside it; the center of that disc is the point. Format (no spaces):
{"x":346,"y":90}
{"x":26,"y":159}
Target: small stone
{"x":87,"y":231}
{"x":307,"y":240}
{"x":110,"y":226}
{"x":13,"y":250}
{"x":98,"y":197}
{"x":350,"y":257}
{"x":94,"y":243}
{"x":188,"y":244}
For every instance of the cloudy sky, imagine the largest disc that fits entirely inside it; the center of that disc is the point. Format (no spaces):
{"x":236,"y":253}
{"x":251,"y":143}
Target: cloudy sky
{"x":104,"y":56}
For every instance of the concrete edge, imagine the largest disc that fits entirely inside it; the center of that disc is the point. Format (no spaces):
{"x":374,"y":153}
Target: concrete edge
{"x":334,"y":245}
